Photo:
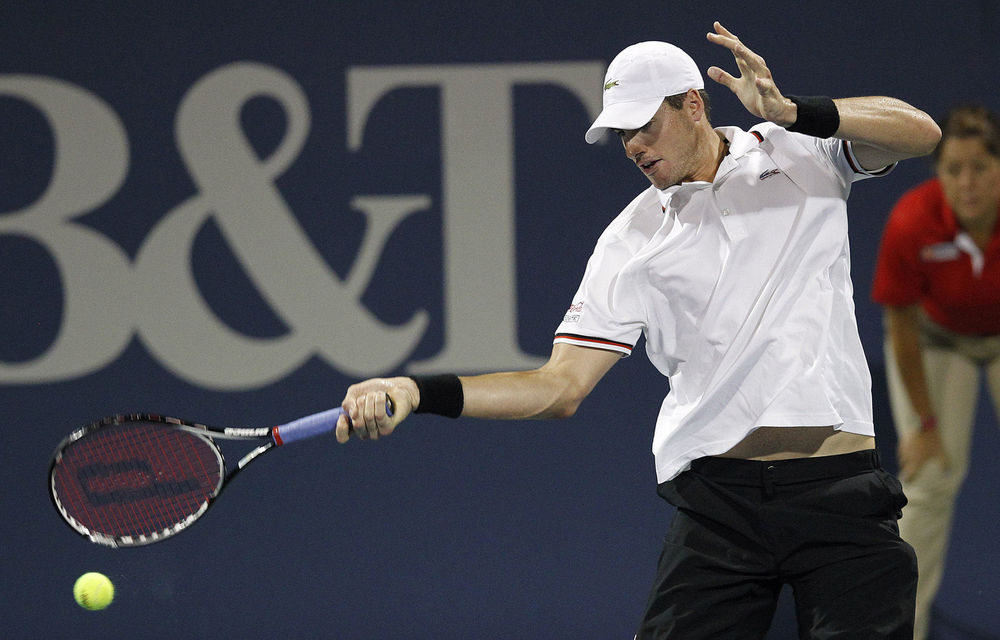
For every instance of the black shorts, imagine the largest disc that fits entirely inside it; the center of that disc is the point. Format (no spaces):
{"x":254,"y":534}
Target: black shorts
{"x":743,"y":528}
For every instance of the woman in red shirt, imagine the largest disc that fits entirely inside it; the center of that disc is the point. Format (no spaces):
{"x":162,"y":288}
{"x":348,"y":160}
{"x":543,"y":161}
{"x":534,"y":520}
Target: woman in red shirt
{"x":938,"y":279}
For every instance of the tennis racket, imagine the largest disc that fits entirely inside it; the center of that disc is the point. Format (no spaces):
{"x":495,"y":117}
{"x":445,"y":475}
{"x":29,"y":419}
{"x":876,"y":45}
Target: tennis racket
{"x":131,"y":480}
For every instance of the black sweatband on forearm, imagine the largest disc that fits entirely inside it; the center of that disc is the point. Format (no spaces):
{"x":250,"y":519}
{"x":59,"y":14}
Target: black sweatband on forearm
{"x":817,"y":116}
{"x":442,"y":395}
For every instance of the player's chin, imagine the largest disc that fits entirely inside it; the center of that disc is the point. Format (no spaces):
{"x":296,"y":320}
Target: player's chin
{"x":658,"y":179}
{"x":660,"y":183}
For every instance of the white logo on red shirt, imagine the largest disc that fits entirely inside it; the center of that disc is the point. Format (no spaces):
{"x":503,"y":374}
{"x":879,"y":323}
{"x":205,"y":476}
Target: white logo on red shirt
{"x":940,"y":252}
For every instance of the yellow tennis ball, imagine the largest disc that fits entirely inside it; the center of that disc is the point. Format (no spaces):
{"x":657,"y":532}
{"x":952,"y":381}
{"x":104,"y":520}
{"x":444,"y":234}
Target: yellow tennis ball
{"x":93,"y":591}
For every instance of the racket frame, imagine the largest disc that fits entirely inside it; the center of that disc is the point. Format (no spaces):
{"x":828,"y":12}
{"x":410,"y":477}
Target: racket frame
{"x":205,"y":432}
{"x":302,"y":428}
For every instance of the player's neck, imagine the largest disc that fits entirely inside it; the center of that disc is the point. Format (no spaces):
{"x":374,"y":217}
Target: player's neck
{"x":716,"y":148}
{"x":712,"y":149}
{"x":722,"y":152}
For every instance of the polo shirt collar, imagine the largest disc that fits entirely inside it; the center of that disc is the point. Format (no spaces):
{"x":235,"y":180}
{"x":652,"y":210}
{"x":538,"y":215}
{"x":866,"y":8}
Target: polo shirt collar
{"x":740,"y":142}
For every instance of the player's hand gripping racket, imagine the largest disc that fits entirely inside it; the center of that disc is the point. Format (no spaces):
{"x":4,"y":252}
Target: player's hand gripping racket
{"x":132,"y":480}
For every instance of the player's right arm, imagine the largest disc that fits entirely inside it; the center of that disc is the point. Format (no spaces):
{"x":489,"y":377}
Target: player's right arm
{"x":554,"y":390}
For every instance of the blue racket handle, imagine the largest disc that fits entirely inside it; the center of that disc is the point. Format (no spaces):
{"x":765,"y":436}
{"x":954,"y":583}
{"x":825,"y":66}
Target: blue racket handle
{"x":313,"y":425}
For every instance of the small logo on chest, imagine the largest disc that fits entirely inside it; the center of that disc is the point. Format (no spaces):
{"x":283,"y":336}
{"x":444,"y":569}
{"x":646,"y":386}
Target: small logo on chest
{"x":769,"y":173}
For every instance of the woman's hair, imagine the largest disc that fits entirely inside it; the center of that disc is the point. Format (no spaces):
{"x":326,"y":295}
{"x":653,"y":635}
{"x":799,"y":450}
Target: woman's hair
{"x":971,"y":121}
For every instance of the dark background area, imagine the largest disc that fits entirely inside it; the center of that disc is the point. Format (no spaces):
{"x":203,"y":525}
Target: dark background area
{"x":448,"y":529}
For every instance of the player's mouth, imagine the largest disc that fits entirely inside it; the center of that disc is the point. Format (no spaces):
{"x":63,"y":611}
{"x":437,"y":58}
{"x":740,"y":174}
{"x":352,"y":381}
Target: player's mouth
{"x":649,"y":166}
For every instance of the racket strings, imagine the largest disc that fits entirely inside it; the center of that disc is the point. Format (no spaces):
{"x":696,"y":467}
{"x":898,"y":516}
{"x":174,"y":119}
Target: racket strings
{"x":132,"y":481}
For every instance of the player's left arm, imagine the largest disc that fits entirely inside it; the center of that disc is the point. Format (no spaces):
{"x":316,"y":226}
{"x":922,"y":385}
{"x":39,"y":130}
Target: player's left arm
{"x":885,"y":130}
{"x":881,"y":130}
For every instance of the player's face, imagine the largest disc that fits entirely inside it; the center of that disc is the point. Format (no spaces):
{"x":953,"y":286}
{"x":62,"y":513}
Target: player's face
{"x":666,"y":149}
{"x":970,"y":178}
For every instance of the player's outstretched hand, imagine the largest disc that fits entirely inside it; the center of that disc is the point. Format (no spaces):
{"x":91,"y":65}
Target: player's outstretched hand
{"x":755,"y":86}
{"x":376,"y":407}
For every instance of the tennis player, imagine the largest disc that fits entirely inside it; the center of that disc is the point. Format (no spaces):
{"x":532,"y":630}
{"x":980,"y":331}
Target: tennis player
{"x":734,"y":265}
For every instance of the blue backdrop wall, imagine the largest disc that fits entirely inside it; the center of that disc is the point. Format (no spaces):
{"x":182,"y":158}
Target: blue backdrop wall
{"x":231,"y":211}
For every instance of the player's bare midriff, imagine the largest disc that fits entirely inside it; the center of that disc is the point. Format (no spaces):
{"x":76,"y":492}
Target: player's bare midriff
{"x":782,"y":443}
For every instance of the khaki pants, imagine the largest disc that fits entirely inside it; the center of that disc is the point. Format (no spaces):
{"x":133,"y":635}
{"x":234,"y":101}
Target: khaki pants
{"x":952,"y":364}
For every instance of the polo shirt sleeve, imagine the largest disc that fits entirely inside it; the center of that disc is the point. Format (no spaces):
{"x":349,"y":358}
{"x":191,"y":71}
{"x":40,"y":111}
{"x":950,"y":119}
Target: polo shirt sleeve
{"x":836,"y":156}
{"x":606,"y":312}
{"x":840,"y":155}
{"x":899,"y":279}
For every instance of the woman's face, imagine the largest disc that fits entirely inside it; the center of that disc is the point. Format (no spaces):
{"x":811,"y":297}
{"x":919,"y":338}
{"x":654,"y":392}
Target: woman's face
{"x":970,"y":177}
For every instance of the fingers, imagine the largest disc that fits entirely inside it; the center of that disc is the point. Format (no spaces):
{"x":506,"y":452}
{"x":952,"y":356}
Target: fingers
{"x":723,"y":37}
{"x":916,"y":450}
{"x":910,"y":463}
{"x":746,"y":59}
{"x":343,"y":430}
{"x":721,"y":34}
{"x":905,"y":474}
{"x":373,"y":415}
{"x":374,"y":408}
{"x":723,"y":78}
{"x":945,"y":460}
{"x":367,"y":416}
{"x":754,"y":86}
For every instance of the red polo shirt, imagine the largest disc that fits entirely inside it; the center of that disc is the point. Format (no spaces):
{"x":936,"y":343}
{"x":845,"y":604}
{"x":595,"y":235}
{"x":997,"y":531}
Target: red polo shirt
{"x":922,"y":260}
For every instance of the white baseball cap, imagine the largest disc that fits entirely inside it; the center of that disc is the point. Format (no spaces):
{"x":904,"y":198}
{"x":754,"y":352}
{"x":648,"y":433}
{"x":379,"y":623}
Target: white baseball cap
{"x":637,"y":81}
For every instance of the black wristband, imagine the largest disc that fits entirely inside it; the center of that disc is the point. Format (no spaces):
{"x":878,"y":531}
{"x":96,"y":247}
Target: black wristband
{"x":817,"y":116}
{"x":442,"y":395}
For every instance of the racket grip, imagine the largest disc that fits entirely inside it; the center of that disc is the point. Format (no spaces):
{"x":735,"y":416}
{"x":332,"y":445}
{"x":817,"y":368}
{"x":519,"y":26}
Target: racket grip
{"x":313,"y":425}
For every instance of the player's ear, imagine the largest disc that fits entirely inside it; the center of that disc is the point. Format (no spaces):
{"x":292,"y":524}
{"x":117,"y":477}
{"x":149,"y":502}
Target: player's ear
{"x":694,"y":104}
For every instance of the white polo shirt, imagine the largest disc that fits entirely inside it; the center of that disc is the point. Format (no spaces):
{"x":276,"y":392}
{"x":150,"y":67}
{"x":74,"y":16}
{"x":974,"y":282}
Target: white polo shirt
{"x":742,"y":288}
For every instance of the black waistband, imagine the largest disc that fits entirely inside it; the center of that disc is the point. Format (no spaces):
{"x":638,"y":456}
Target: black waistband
{"x":761,"y":472}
